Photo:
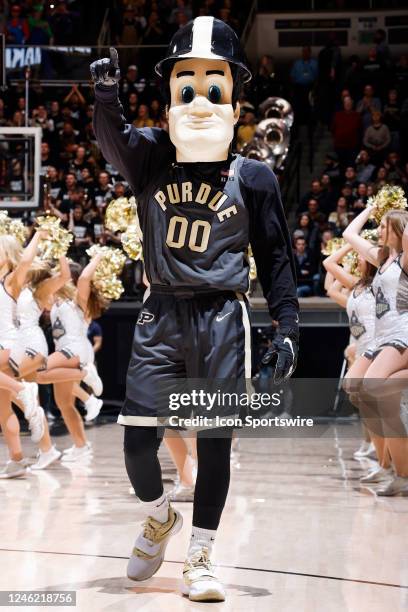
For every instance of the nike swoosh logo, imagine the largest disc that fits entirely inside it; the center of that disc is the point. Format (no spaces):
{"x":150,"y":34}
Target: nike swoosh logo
{"x":221,"y":317}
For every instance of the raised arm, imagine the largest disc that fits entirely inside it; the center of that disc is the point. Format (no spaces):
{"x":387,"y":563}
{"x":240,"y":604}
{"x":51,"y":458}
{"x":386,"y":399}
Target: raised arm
{"x":84,"y":282}
{"x":332,"y":265}
{"x":352,"y":235}
{"x":138,"y":154}
{"x":335,"y":293}
{"x":51,"y":285}
{"x":18,"y":276}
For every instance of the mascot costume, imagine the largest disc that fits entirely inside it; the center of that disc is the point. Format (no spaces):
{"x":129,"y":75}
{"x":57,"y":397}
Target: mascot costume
{"x":199,"y":208}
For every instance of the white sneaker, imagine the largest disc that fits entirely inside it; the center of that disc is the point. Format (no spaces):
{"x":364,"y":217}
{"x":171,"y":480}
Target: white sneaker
{"x":181,"y":493}
{"x":77,"y":453}
{"x":364,"y":450}
{"x":92,"y":379}
{"x":93,"y":407}
{"x":28,"y":396}
{"x":377,"y":475}
{"x":68,"y":451}
{"x":150,"y":546}
{"x":14,"y":469}
{"x":397,"y":486}
{"x":199,"y":580}
{"x":45,"y":458}
{"x":36,"y":424}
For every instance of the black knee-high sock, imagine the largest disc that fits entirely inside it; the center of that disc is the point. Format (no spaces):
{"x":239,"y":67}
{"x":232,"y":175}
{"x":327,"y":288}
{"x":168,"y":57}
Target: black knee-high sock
{"x":141,"y":445}
{"x":213,"y":477}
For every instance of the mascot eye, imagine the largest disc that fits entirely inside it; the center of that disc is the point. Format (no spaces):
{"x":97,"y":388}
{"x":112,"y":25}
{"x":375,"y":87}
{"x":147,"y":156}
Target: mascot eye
{"x":214,"y":94}
{"x":187,"y":94}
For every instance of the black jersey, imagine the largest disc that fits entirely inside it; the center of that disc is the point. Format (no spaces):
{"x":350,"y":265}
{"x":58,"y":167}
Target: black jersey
{"x":198,"y":218}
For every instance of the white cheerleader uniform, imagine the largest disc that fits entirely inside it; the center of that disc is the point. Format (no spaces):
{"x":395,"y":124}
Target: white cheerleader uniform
{"x":8,"y":319}
{"x":391,"y":307}
{"x":361,"y":314}
{"x":30,"y":337}
{"x":69,"y":330}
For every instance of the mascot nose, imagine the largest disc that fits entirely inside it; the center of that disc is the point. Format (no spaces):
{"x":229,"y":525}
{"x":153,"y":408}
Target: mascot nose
{"x":201,"y":107}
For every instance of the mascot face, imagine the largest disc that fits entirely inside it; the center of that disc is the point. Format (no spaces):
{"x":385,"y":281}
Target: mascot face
{"x":201,"y":117}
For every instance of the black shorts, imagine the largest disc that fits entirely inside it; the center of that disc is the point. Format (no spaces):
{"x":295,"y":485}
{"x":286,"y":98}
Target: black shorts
{"x":181,"y":337}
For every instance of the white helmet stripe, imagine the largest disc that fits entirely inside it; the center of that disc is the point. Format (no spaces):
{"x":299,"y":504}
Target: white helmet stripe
{"x":202,"y":36}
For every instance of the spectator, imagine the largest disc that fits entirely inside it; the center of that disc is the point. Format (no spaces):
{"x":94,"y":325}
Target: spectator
{"x":309,"y":230}
{"x":182,"y":8}
{"x":79,"y":162}
{"x":316,"y":192}
{"x":47,"y":159}
{"x":131,"y":83}
{"x":329,"y":69}
{"x":395,"y":172}
{"x":246,"y":130}
{"x":381,"y":47}
{"x":303,"y":75}
{"x":364,"y":167}
{"x":351,"y":177}
{"x":373,"y":71}
{"x":340,"y":218}
{"x":95,"y":336}
{"x":401,"y":77}
{"x":333,"y":170}
{"x":63,"y":24}
{"x":367,"y":105}
{"x":131,"y":107}
{"x":143,"y":119}
{"x":103,"y":191}
{"x":40,"y":30}
{"x":305,"y":268}
{"x":381,"y":178}
{"x":17,"y":29}
{"x":352,"y":79}
{"x":53,"y":181}
{"x":392,"y":117}
{"x":346,"y":129}
{"x":265,"y":83}
{"x":82,"y":231}
{"x":155,"y":112}
{"x":377,"y":138}
{"x":315,"y":213}
{"x":361,"y":198}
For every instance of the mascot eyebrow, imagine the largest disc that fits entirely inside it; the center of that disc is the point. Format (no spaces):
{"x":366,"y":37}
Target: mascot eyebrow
{"x":192,"y":73}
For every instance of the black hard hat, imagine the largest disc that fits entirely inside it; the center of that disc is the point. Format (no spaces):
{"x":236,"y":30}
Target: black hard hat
{"x":206,"y":38}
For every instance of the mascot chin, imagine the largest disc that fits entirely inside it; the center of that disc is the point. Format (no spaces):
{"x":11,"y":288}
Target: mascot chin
{"x":199,"y":208}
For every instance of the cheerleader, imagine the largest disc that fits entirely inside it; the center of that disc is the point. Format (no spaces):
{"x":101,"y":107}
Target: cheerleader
{"x":390,"y":354}
{"x":360,"y":306}
{"x":73,"y":358}
{"x":14,"y":266}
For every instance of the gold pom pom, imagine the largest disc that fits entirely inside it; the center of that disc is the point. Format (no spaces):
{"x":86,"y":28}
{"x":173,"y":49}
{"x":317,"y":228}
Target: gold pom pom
{"x":110,"y":287}
{"x":131,"y":242}
{"x":106,"y":279}
{"x":350,"y":261}
{"x":252,"y":264}
{"x":120,"y":213}
{"x":59,"y":239}
{"x":12,"y":227}
{"x":333,"y":245}
{"x":390,"y":197}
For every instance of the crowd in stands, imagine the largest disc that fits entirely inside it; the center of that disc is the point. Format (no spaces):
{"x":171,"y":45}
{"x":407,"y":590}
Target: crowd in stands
{"x":364,"y":104}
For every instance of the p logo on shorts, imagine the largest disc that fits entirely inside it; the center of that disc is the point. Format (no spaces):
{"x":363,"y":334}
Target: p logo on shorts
{"x":145,"y":317}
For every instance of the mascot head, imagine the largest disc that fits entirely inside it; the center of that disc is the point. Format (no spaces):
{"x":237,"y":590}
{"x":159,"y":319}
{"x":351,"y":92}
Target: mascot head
{"x":203,"y":72}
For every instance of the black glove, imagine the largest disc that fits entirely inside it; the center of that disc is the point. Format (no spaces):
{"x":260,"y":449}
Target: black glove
{"x":106,"y":70}
{"x":282,"y":355}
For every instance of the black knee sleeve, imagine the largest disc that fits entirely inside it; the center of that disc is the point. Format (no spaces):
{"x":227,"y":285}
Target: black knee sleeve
{"x":141,"y":445}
